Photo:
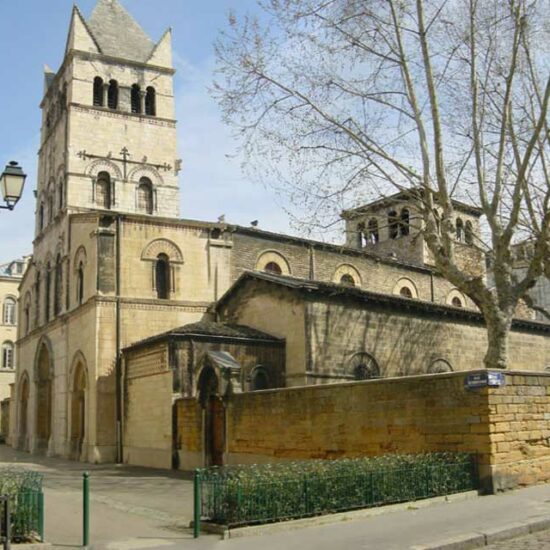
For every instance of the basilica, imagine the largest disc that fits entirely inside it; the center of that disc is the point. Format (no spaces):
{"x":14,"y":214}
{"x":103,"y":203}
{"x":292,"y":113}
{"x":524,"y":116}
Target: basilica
{"x":115,"y":273}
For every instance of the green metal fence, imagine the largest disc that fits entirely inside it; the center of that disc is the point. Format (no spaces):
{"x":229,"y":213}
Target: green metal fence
{"x":243,"y":495}
{"x":24,"y":490}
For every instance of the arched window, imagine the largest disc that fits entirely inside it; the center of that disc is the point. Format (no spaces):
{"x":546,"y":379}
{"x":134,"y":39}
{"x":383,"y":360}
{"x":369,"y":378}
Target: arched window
{"x":259,"y":379}
{"x":112,"y":95}
{"x":162,"y":277}
{"x":47,"y":291}
{"x":363,"y":366}
{"x":50,"y":207}
{"x":58,"y":285}
{"x":80,"y":284}
{"x":135,"y":99}
{"x":459,"y":230}
{"x":103,"y":190}
{"x":27,"y":318}
{"x":457,"y":302}
{"x":439,"y":366}
{"x":9,"y":315}
{"x":393,"y":225}
{"x":469,"y":233}
{"x":8,"y":359}
{"x":60,"y":192}
{"x":98,"y":92}
{"x":406,"y":292}
{"x":151,"y":101}
{"x":347,"y":279}
{"x":273,"y":267}
{"x":41,"y":217}
{"x":360,"y":235}
{"x":372,"y":235}
{"x":404,"y":228}
{"x":37,"y":286}
{"x":145,"y":196}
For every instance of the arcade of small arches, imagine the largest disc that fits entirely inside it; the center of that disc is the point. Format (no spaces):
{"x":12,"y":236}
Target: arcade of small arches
{"x":51,"y":202}
{"x":106,"y":94}
{"x":52,"y":281}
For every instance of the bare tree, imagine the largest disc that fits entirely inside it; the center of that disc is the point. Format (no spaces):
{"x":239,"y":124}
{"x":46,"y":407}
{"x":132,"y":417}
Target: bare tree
{"x":347,"y":99}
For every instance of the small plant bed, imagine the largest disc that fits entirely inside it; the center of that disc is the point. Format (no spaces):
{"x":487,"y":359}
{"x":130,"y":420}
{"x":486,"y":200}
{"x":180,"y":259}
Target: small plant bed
{"x":26,"y":502}
{"x":249,"y":495}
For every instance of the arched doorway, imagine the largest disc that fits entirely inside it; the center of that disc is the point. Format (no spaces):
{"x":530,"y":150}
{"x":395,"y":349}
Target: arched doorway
{"x":43,"y":398}
{"x":214,"y":416}
{"x":78,"y":409}
{"x":23,"y":442}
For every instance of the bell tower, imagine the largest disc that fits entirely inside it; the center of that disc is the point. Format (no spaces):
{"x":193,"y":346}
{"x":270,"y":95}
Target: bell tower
{"x":108,"y":139}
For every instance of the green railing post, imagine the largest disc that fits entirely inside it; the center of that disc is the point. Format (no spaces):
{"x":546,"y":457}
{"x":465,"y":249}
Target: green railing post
{"x":197,"y":504}
{"x":85,"y":509}
{"x":41,"y":516}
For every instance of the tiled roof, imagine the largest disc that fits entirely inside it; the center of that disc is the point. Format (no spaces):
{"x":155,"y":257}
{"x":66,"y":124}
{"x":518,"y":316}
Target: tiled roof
{"x":117,"y":33}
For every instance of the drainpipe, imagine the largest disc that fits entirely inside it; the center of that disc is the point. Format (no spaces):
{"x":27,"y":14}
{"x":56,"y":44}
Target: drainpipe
{"x":432,"y":285}
{"x":118,"y":364}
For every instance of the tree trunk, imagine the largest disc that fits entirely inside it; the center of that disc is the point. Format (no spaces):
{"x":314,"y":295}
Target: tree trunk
{"x":498,"y":329}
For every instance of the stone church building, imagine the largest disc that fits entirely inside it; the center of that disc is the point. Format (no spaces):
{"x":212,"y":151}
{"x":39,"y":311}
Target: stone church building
{"x":113,"y":264}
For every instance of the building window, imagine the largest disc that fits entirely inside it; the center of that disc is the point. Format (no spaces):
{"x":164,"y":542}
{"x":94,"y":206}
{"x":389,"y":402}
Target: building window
{"x":404,"y":227}
{"x":112,"y":95}
{"x":347,"y":279}
{"x":457,"y":302}
{"x":469,"y":233}
{"x":8,"y":356}
{"x":372,"y":235}
{"x":406,"y":292}
{"x":103,"y":190}
{"x":58,"y":285}
{"x":98,"y":92}
{"x":162,"y":277}
{"x":145,"y":196}
{"x":9,"y":314}
{"x":37,"y":300}
{"x":41,"y":217}
{"x":393,"y":225}
{"x":27,"y":318}
{"x":273,"y":267}
{"x":363,"y":366}
{"x":60,"y":191}
{"x":80,"y":284}
{"x":135,"y":99}
{"x":459,"y":230}
{"x":259,"y":379}
{"x":439,"y":366}
{"x":151,"y":101}
{"x":48,"y":290}
{"x":50,"y":207}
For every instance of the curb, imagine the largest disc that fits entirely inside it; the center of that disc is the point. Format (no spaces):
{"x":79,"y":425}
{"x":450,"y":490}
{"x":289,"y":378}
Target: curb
{"x":316,"y":521}
{"x":479,"y":539}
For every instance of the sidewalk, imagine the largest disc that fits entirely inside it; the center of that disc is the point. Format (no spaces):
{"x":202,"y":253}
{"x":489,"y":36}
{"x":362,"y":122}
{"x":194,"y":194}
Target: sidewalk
{"x":137,"y":508}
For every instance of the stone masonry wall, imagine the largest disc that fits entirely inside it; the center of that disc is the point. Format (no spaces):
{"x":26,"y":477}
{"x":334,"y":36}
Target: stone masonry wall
{"x":508,"y":427}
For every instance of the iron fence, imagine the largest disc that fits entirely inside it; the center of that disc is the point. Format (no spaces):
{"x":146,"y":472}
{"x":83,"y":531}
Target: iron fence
{"x":235,"y":496}
{"x":22,"y":516}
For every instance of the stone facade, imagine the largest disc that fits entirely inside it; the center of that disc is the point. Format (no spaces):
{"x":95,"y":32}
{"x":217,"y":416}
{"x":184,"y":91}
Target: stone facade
{"x":10,"y":277}
{"x":112,"y":264}
{"x":330,"y":329}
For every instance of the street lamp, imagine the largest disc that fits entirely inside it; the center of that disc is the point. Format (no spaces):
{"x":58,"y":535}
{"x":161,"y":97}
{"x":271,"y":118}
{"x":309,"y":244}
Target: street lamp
{"x":12,"y":181}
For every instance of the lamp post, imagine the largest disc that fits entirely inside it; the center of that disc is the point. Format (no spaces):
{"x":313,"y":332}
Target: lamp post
{"x":12,"y":181}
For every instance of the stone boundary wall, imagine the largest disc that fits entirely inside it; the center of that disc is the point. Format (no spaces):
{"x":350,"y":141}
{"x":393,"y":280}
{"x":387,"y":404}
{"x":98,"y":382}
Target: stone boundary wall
{"x":508,"y":428}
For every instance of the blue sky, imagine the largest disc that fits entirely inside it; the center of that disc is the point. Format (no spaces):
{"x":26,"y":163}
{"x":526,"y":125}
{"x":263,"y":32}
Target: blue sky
{"x":33,"y":33}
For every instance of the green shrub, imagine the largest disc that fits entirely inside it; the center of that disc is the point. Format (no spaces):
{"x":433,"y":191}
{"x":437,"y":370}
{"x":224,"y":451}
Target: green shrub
{"x":237,"y":495}
{"x":23,"y":487}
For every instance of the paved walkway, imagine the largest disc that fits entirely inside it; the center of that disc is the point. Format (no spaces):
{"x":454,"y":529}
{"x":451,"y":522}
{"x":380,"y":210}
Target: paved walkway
{"x":138,"y":508}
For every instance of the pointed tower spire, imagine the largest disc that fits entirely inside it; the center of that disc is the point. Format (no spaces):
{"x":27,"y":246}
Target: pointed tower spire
{"x":117,"y":32}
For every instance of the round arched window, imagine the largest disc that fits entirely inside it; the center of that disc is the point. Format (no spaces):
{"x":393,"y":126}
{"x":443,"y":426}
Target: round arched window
{"x":457,"y":302}
{"x":406,"y":292}
{"x":363,"y":366}
{"x":347,"y":279}
{"x":273,"y":267}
